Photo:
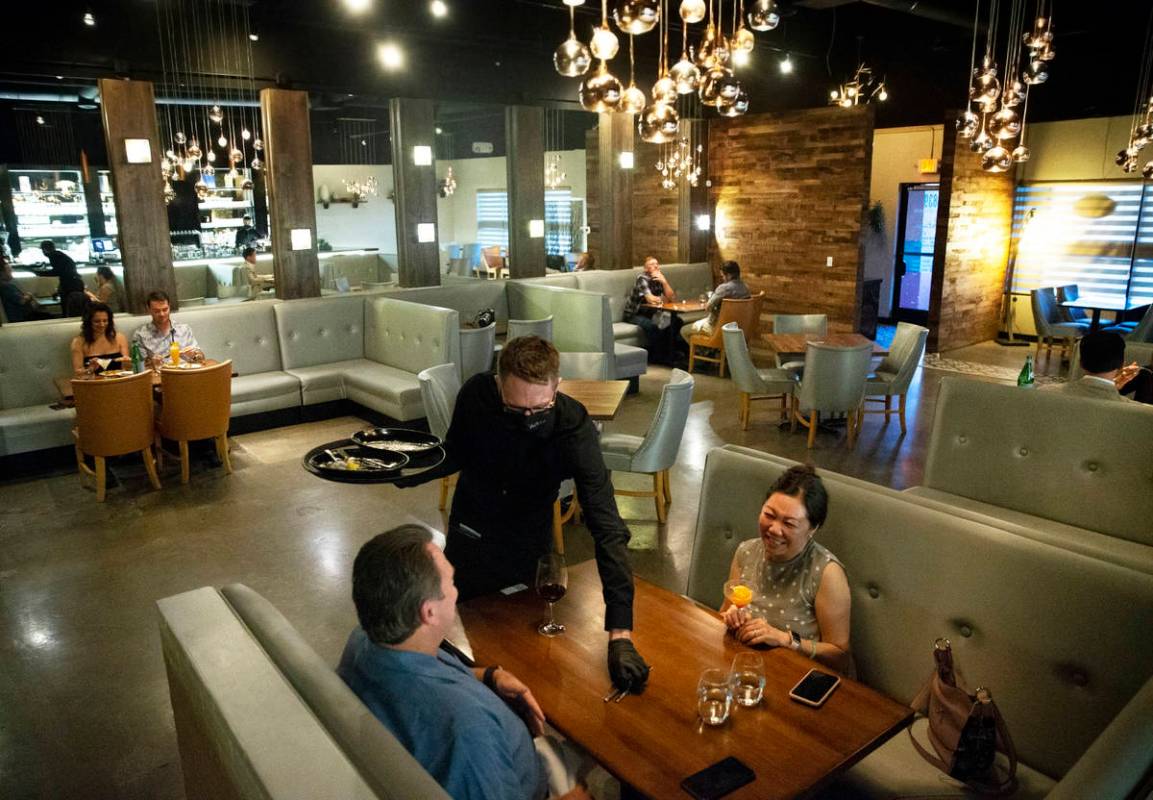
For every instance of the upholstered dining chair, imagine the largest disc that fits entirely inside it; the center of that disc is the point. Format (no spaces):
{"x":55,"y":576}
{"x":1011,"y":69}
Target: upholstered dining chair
{"x":530,"y":327}
{"x":1143,"y":332}
{"x":753,"y":383}
{"x":656,"y":451}
{"x":895,"y":372}
{"x":494,"y":262}
{"x":197,"y":404}
{"x":746,"y":313}
{"x":439,"y":387}
{"x":833,"y":383}
{"x":1047,"y":321}
{"x":476,"y":349}
{"x":798,"y":323}
{"x":114,"y":417}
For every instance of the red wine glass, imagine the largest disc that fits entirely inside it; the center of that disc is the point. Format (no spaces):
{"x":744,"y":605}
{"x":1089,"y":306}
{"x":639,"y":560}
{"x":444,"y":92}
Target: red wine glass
{"x":551,"y":584}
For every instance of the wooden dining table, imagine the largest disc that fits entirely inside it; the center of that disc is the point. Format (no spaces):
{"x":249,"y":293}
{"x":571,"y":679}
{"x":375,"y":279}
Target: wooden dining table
{"x":678,"y":307}
{"x":64,"y":382}
{"x":602,"y":399}
{"x":795,"y":342}
{"x":654,"y":740}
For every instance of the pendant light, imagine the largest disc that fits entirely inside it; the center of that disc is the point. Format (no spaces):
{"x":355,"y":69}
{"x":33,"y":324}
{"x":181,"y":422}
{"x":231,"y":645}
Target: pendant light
{"x":633,"y":99}
{"x":572,"y":59}
{"x":764,"y":15}
{"x":602,"y":92}
{"x":636,"y":16}
{"x":692,"y":11}
{"x":685,"y":73}
{"x":604,"y":44}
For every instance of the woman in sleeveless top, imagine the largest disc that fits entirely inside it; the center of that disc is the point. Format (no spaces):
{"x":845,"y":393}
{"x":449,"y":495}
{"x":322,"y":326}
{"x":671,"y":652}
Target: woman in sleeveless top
{"x":109,"y":290}
{"x":800,"y":593}
{"x":98,"y":339}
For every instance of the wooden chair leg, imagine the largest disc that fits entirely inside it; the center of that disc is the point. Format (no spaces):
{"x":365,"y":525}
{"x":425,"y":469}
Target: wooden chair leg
{"x":222,"y":452}
{"x":101,"y":479}
{"x":744,"y":412}
{"x":557,"y":528}
{"x":692,"y":354}
{"x":158,"y":448}
{"x":81,"y":467}
{"x":901,"y":412}
{"x":150,"y":466}
{"x":814,"y":416}
{"x":722,"y":370}
{"x":444,"y":484}
{"x":793,"y":412}
{"x":659,"y":498}
{"x":668,"y":489}
{"x":183,"y":462}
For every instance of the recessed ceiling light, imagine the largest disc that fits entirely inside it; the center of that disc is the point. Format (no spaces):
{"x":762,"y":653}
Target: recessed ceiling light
{"x":357,"y":6}
{"x":391,"y":57}
{"x":438,"y":8}
{"x":89,"y":19}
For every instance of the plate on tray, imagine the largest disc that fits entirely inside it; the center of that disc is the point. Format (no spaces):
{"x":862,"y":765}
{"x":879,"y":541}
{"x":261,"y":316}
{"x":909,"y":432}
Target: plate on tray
{"x":352,"y":462}
{"x":397,"y":440}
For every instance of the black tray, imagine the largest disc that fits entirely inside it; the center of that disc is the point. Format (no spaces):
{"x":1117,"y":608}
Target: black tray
{"x":413,"y":442}
{"x":417,"y":462}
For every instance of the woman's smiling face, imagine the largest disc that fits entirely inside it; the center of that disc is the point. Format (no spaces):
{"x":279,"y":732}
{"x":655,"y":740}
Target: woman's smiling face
{"x":784,"y":526}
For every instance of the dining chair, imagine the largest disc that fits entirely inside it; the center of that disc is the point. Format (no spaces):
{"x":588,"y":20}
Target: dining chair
{"x":746,"y":313}
{"x":476,"y":349}
{"x":798,"y":323}
{"x":474,"y":258}
{"x":895,"y":372}
{"x":494,"y":262}
{"x":833,"y":383}
{"x":114,"y":417}
{"x":753,"y":383}
{"x":1144,"y":330}
{"x":529,"y":327}
{"x":439,"y":387}
{"x":656,"y":451}
{"x":197,"y":405}
{"x":1047,"y":321}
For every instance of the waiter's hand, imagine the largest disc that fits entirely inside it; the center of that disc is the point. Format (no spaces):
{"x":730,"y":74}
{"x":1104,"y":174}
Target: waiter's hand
{"x":519,"y":697}
{"x":626,"y":667}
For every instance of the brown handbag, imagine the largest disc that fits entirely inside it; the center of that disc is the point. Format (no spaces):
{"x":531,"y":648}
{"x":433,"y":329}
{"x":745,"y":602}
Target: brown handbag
{"x":965,"y":731}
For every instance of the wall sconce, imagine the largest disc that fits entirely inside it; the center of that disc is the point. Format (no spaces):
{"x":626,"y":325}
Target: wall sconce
{"x":301,"y":238}
{"x":422,"y":155}
{"x":426,"y":232}
{"x":703,"y":222}
{"x":138,"y":151}
{"x":626,"y":159}
{"x":536,"y":228}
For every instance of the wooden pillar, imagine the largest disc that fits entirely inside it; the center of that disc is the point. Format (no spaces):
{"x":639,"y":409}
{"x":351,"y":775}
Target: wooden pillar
{"x":524,"y":135}
{"x":692,"y":242}
{"x":615,"y":185}
{"x":412,"y":125}
{"x":291,"y":199}
{"x":128,"y":111}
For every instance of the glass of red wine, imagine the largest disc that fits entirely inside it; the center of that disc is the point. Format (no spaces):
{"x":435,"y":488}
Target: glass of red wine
{"x":551,"y":584}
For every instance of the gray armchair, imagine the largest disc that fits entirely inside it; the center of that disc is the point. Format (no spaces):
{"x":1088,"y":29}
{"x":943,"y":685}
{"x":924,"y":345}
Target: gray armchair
{"x":833,"y":383}
{"x":476,"y":350}
{"x":439,"y":387}
{"x":657,"y":450}
{"x":895,"y":372}
{"x":1047,"y":321}
{"x":752,"y":383}
{"x":798,"y":323}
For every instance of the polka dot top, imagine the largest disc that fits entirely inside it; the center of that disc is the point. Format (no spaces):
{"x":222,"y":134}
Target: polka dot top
{"x":785,"y":593}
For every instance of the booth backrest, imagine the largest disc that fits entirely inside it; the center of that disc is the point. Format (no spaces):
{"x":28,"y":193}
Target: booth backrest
{"x":1060,"y":639}
{"x":410,"y":336}
{"x":31,"y":355}
{"x":690,"y":280}
{"x":243,"y":332}
{"x":565,"y":280}
{"x":320,"y":331}
{"x":613,"y":283}
{"x":466,"y":297}
{"x":580,"y":319}
{"x":1068,"y":459}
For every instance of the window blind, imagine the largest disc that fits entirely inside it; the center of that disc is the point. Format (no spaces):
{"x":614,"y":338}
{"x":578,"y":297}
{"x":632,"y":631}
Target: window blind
{"x":558,"y":221}
{"x":492,"y":218}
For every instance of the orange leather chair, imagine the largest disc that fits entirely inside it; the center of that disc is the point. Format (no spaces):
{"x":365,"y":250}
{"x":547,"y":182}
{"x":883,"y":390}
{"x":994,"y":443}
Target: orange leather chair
{"x":114,"y":417}
{"x":197,"y":403}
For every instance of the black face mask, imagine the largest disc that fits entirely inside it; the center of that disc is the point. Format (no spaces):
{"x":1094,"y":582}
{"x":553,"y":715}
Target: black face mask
{"x":539,"y":424}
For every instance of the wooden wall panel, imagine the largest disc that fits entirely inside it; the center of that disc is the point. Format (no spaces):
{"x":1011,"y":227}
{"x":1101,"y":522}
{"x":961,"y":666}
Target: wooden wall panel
{"x":656,"y":210}
{"x":128,"y":110}
{"x":413,"y":124}
{"x":974,"y":225}
{"x":524,"y":127}
{"x":615,"y":133}
{"x":789,"y":190}
{"x":291,"y":199}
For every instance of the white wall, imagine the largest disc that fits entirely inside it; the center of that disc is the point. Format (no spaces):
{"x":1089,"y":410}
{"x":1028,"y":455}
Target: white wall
{"x":1078,"y":149}
{"x":372,"y":224}
{"x":895,"y":155}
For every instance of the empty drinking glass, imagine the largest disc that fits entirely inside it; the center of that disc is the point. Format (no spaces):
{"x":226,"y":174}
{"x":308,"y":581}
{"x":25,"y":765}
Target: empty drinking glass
{"x":714,"y":696}
{"x":748,"y":678}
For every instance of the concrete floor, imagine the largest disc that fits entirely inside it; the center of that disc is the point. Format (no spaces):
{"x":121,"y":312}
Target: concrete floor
{"x":84,"y":710}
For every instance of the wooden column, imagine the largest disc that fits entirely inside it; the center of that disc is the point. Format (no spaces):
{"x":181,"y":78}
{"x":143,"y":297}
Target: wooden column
{"x":128,"y":110}
{"x":692,"y":242}
{"x":291,"y":199}
{"x":524,"y":135}
{"x":615,"y":186}
{"x":412,"y":124}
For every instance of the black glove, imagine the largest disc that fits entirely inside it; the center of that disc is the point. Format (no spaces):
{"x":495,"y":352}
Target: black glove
{"x":626,"y":667}
{"x":409,"y":481}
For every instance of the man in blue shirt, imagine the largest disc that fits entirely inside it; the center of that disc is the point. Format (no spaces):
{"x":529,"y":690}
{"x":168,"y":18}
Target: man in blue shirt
{"x":472,"y":730}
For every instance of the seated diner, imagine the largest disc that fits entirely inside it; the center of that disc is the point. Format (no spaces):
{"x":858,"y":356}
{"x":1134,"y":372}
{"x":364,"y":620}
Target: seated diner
{"x":99,"y":345}
{"x":156,"y":337}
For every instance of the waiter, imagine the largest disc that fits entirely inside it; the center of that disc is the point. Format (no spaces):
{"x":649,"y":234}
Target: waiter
{"x":246,"y":234}
{"x":513,"y":439}
{"x":69,"y":284}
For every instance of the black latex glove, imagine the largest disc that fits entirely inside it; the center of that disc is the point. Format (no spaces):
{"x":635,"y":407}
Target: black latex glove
{"x":626,"y":667}
{"x":408,"y":481}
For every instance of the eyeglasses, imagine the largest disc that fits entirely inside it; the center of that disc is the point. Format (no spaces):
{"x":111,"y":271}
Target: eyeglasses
{"x":524,"y":411}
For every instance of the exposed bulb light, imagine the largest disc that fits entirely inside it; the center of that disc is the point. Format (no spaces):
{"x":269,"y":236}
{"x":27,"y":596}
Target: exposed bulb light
{"x":439,"y":8}
{"x":439,"y":131}
{"x":89,"y":19}
{"x":740,"y":58}
{"x":358,"y":6}
{"x":39,"y":120}
{"x":254,"y":37}
{"x":391,"y":57}
{"x":786,"y":65}
{"x":604,"y":44}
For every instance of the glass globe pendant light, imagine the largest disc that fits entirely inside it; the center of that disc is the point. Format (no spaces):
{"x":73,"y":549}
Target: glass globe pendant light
{"x":967,"y":124}
{"x":601,"y":92}
{"x":1005,"y":124}
{"x":737,"y":106}
{"x":604,"y":44}
{"x":996,"y":159}
{"x":572,"y":59}
{"x":201,"y":189}
{"x":216,"y":114}
{"x":658,"y":123}
{"x":633,"y":99}
{"x":685,"y":73}
{"x":193,"y":149}
{"x":692,"y":11}
{"x":764,"y":15}
{"x":636,"y":16}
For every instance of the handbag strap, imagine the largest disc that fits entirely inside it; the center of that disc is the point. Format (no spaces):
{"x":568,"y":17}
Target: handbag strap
{"x":920,"y":706}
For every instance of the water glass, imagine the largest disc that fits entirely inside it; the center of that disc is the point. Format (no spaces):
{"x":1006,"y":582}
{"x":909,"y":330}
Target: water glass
{"x":748,"y":679}
{"x":714,"y":696}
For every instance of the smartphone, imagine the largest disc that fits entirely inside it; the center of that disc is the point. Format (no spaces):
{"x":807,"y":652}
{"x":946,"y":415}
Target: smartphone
{"x":719,"y":779}
{"x":814,"y":689}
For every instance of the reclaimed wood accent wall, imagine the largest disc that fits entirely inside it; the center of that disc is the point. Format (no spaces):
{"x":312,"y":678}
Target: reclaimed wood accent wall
{"x":974,"y":225}
{"x":524,"y":126}
{"x":128,"y":110}
{"x":790,"y":190}
{"x":609,"y":191}
{"x":412,"y":124}
{"x":291,"y":199}
{"x":656,"y":210}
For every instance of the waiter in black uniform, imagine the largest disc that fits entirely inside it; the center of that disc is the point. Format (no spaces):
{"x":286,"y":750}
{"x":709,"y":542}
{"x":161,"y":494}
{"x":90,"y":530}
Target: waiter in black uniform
{"x":246,"y":234}
{"x":513,"y":439}
{"x":69,"y":284}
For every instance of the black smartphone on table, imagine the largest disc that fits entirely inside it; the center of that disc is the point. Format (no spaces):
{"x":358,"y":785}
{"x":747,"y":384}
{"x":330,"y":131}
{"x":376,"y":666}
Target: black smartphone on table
{"x":814,"y":689}
{"x":719,"y":779}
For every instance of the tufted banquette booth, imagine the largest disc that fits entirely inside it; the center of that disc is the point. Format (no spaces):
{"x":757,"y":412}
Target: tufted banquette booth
{"x":1060,"y":638}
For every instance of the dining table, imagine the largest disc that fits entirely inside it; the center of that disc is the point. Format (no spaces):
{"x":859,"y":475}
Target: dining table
{"x":789,"y":343}
{"x":602,"y":399}
{"x":678,"y":306}
{"x":64,"y":382}
{"x":1096,"y":303}
{"x":653,"y":740}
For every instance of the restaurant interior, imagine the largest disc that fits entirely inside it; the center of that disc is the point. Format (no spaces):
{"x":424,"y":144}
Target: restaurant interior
{"x":931,"y":204}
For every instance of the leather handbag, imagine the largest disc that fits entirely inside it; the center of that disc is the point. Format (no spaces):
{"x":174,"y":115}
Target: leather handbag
{"x":966,"y":731}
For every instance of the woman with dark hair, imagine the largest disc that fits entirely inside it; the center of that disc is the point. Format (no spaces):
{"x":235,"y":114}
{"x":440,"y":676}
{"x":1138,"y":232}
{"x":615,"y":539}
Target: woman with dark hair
{"x":109,"y":290}
{"x":98,"y":339}
{"x":799,"y":591}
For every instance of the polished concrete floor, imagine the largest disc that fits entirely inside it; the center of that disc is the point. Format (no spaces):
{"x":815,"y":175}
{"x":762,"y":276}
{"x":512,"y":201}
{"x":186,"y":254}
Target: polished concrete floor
{"x":84,"y":710}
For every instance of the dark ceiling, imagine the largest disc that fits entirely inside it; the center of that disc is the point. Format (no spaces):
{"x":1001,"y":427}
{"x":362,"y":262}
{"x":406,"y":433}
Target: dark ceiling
{"x":488,"y":53}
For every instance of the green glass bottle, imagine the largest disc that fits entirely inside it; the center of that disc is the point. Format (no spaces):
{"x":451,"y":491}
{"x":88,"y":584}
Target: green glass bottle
{"x":1025,"y":378}
{"x":137,"y":358}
